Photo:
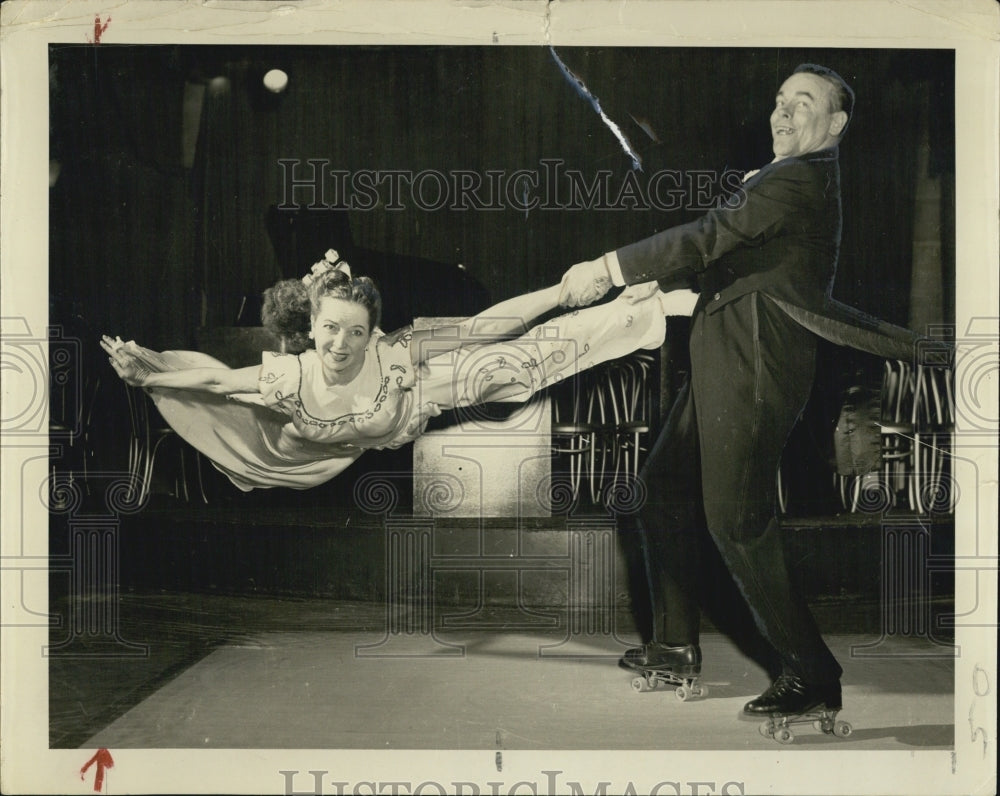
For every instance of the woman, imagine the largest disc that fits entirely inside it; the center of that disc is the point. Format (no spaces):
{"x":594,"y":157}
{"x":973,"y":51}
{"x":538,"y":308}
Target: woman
{"x":297,"y":420}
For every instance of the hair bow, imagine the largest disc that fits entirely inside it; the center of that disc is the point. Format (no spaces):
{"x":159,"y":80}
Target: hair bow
{"x":331,"y":262}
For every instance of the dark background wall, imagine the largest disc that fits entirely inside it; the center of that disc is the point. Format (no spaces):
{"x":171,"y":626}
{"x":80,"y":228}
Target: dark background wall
{"x":153,"y":237}
{"x":169,"y":161}
{"x":167,"y":164}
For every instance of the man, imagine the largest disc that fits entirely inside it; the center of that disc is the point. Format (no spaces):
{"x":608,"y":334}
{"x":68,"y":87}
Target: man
{"x":764,"y":267}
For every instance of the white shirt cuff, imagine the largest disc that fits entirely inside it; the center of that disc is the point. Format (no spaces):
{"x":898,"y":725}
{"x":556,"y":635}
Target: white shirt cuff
{"x":614,"y":268}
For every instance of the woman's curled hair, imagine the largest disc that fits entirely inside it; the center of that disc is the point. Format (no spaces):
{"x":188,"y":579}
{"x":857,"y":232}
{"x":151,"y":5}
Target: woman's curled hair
{"x":356,"y":289}
{"x":286,"y":314}
{"x":290,"y":305}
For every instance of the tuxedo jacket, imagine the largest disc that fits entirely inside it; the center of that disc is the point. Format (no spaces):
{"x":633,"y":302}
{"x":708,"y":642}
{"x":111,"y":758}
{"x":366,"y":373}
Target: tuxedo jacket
{"x":778,"y":235}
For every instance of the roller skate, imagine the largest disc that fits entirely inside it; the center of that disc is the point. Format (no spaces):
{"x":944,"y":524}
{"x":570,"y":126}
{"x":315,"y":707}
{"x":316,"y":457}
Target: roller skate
{"x":658,"y":664}
{"x":791,"y":701}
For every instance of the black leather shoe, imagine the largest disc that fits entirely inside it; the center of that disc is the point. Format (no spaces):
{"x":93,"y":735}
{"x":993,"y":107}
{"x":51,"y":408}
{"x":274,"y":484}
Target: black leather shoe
{"x":683,"y":660}
{"x":790,"y":694}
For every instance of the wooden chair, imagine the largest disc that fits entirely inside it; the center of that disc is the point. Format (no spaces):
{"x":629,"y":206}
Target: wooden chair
{"x":577,"y":424}
{"x":915,"y":427}
{"x":630,"y":392}
{"x":144,"y":444}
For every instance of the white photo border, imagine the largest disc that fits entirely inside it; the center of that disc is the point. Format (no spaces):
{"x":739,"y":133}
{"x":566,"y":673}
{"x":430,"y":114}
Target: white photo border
{"x":970,"y":28}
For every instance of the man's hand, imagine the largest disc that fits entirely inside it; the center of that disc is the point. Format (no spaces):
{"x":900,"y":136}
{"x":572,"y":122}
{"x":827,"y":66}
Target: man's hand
{"x":584,"y":283}
{"x":633,"y":294}
{"x":678,"y":302}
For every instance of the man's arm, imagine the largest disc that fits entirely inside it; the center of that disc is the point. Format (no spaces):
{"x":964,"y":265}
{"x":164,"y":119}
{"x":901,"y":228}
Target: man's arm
{"x":754,"y":217}
{"x":676,"y":255}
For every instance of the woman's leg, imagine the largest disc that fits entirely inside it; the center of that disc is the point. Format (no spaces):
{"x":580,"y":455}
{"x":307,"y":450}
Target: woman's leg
{"x":502,"y":321}
{"x":548,"y":353}
{"x":513,"y":316}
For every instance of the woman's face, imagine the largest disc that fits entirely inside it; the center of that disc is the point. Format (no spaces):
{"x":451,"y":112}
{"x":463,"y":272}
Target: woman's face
{"x":341,"y":332}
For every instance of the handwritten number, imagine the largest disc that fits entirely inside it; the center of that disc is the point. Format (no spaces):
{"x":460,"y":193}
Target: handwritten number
{"x":981,"y":688}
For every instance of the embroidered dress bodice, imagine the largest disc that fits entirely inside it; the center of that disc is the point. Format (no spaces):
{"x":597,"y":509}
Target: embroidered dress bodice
{"x":367,"y":412}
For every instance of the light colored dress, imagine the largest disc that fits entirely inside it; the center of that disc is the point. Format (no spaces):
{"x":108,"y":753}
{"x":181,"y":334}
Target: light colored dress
{"x":299,"y":432}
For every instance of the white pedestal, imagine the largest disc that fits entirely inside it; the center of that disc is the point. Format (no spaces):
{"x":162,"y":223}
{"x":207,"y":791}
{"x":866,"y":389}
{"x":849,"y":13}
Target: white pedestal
{"x":482,"y":467}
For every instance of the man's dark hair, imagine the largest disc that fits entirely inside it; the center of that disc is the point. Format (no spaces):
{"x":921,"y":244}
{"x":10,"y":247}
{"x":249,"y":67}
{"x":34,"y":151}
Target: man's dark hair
{"x":843,"y":94}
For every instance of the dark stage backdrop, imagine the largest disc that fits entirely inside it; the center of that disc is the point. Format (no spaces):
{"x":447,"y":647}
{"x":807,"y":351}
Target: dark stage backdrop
{"x":152,"y":237}
{"x":163,"y":216}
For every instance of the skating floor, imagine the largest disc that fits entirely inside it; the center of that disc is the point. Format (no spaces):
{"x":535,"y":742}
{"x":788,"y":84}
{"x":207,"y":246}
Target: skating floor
{"x":265,"y":673}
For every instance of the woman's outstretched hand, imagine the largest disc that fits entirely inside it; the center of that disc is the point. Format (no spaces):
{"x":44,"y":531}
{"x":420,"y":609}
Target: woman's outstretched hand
{"x":126,"y":365}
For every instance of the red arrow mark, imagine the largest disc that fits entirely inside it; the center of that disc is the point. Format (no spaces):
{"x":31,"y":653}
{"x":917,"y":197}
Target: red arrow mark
{"x":99,"y":29}
{"x":104,"y":760}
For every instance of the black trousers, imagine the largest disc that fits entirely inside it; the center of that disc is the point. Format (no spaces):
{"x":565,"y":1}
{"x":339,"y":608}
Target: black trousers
{"x":710,"y":534}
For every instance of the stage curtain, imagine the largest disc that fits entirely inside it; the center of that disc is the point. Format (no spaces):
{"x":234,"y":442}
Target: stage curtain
{"x":120,"y":212}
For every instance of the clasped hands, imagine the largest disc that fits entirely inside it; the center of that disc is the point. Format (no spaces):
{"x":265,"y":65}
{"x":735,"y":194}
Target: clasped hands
{"x":586,"y":282}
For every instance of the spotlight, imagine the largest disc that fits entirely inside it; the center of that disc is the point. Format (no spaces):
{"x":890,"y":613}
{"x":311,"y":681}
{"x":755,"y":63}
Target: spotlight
{"x":275,"y":81}
{"x":218,"y":86}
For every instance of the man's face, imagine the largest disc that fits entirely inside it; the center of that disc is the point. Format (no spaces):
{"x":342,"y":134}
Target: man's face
{"x":803,"y":119}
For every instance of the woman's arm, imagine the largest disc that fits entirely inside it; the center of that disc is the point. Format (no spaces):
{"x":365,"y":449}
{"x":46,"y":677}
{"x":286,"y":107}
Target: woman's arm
{"x":510,"y":318}
{"x":218,"y":381}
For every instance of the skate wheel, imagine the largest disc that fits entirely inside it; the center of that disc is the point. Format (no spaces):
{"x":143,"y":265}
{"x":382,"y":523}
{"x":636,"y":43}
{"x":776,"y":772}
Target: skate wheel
{"x":784,"y":736}
{"x":766,"y":729}
{"x":639,"y":684}
{"x":682,"y":692}
{"x":818,"y":726}
{"x":842,"y":729}
{"x":699,"y":690}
